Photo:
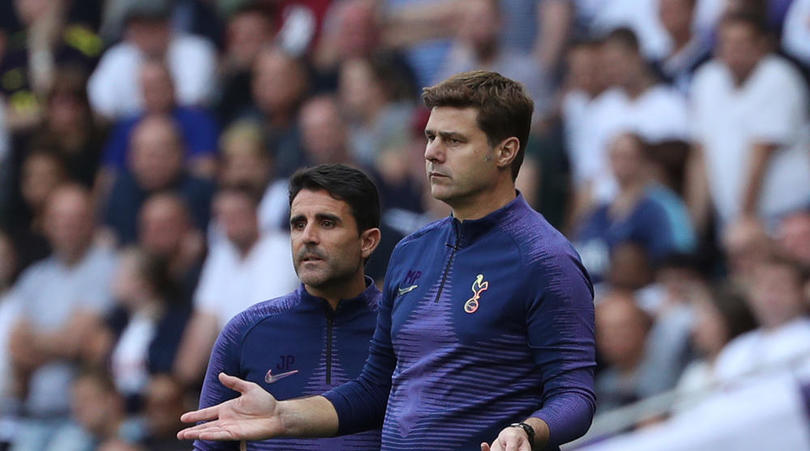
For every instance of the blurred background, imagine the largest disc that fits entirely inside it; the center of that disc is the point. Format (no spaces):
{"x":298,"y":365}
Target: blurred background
{"x":670,"y":144}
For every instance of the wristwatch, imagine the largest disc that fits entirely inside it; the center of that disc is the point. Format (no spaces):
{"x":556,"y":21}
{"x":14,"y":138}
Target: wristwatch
{"x":529,"y":431}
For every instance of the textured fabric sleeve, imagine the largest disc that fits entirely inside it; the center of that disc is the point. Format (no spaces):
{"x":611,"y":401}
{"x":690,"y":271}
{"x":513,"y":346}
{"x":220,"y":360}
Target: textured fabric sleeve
{"x":224,"y":358}
{"x":361,"y":403}
{"x":561,"y":337}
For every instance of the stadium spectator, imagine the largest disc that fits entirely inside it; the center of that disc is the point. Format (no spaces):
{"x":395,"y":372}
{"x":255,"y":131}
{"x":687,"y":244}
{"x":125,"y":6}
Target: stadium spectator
{"x":279,"y":86}
{"x":42,"y":172}
{"x":351,"y":30}
{"x":97,"y":415}
{"x":583,"y":85}
{"x":247,"y":164}
{"x":377,"y":101}
{"x":324,"y":138}
{"x":165,"y":402}
{"x":720,"y":316}
{"x":156,"y":164}
{"x":63,"y":298}
{"x":142,"y":333}
{"x":166,"y":231}
{"x":689,"y":49}
{"x":753,"y":161}
{"x":477,"y":45}
{"x":114,"y":89}
{"x":47,"y":37}
{"x":250,"y":266}
{"x":197,"y":126}
{"x":635,"y":214}
{"x":636,"y":102}
{"x":248,"y":29}
{"x":621,"y":336}
{"x":782,"y":340}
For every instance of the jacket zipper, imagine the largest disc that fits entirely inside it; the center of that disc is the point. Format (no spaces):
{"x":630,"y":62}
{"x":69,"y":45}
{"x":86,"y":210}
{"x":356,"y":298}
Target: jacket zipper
{"x":454,"y":248}
{"x":330,"y":324}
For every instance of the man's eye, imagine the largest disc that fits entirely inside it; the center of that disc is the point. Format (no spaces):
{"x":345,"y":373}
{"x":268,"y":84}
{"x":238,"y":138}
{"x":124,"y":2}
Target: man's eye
{"x":327,"y":223}
{"x":298,"y":225}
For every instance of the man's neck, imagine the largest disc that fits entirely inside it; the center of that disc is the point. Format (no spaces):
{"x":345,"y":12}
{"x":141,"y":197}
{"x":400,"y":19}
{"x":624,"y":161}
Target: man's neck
{"x":348,"y":289}
{"x":484,"y":202}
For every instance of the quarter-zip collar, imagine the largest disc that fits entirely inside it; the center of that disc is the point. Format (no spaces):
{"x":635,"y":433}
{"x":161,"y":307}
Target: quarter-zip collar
{"x":344,"y":305}
{"x":469,"y":231}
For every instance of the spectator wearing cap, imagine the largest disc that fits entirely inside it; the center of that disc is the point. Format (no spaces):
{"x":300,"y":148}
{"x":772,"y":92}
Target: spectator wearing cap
{"x":114,"y":89}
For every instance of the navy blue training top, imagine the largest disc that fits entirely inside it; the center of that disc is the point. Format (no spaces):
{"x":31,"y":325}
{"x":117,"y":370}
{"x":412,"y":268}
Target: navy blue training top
{"x":482,"y":323}
{"x":296,"y":332}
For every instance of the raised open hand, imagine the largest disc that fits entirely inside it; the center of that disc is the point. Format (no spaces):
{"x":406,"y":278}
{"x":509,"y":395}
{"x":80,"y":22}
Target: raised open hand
{"x":251,"y":416}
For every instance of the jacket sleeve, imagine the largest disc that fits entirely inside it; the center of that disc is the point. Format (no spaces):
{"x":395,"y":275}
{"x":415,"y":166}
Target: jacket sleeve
{"x":561,"y":337}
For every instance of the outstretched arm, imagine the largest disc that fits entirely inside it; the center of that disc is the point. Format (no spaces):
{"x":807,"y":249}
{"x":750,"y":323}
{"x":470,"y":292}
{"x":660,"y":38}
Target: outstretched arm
{"x":256,"y":415}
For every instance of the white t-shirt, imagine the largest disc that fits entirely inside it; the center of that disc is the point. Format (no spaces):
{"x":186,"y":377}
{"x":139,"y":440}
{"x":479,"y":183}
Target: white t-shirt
{"x":771,"y":108}
{"x":114,"y":88}
{"x":659,"y":114}
{"x":796,"y":30}
{"x":50,"y":294}
{"x":766,"y":351}
{"x":130,"y":355}
{"x":230,"y":284}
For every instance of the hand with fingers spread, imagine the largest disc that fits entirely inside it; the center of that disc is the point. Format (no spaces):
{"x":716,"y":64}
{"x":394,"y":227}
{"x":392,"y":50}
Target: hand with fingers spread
{"x":252,"y":416}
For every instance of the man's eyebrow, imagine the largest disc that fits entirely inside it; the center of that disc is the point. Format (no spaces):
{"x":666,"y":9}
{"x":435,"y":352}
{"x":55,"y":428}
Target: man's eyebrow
{"x":328,"y":216}
{"x":296,"y":218}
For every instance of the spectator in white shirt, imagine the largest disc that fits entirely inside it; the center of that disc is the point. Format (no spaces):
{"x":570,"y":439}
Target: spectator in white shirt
{"x":749,"y":121}
{"x":250,"y":267}
{"x":113,"y":88}
{"x":782,"y":341}
{"x":635,"y":103}
{"x":62,"y":299}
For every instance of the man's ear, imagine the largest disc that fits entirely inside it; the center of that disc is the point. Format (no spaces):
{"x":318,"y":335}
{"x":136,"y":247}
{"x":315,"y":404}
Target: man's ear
{"x":506,"y":152}
{"x":369,"y":240}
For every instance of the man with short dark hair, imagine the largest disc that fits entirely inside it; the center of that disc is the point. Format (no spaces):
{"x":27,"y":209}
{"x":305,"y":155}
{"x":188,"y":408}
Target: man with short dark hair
{"x":315,"y":338}
{"x":486,"y":326}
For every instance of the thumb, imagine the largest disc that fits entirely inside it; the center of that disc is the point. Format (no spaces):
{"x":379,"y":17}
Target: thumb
{"x":484,"y":446}
{"x":234,"y":383}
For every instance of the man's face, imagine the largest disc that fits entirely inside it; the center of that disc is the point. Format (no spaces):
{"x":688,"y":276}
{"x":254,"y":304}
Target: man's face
{"x":157,"y":157}
{"x":150,"y":36}
{"x":278,"y":83}
{"x":68,"y":221}
{"x":619,"y":64}
{"x":676,"y":15}
{"x":326,"y":245}
{"x":459,"y":161}
{"x":163,"y":224}
{"x":157,"y":88}
{"x":739,"y":48}
{"x":776,"y":294}
{"x":237,"y":215}
{"x":323,"y":133}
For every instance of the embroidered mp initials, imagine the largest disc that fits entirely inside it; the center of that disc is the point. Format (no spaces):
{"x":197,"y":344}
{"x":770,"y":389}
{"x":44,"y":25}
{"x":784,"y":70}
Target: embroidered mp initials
{"x":478,"y":287}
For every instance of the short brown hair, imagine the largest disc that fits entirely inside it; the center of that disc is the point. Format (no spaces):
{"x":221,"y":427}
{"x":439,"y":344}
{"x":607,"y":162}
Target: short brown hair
{"x":504,"y":108}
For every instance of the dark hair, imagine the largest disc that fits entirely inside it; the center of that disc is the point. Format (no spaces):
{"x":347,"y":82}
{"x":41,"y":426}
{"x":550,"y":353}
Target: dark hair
{"x":155,"y":271}
{"x":504,"y":108}
{"x":753,"y":20}
{"x":624,"y":37}
{"x":342,"y":183}
{"x":730,"y":303}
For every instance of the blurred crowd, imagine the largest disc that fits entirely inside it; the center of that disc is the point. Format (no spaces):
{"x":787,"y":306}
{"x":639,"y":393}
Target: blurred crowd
{"x":145,"y":147}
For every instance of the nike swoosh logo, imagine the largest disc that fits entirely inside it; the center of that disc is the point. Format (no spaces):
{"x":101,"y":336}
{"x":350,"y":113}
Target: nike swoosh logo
{"x":270,"y":377}
{"x":405,"y":290}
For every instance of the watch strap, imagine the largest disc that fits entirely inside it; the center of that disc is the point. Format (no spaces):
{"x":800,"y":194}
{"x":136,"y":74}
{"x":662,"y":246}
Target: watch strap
{"x":526,"y":427}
